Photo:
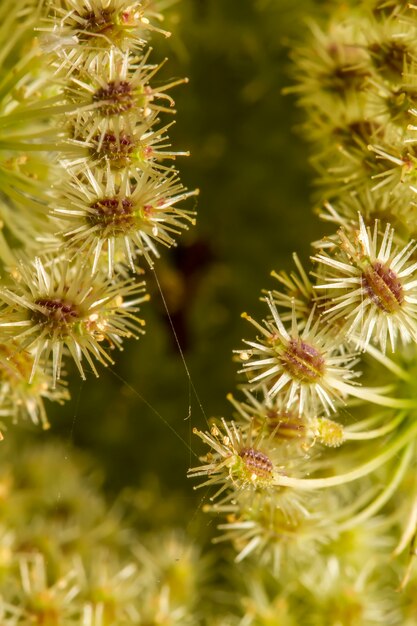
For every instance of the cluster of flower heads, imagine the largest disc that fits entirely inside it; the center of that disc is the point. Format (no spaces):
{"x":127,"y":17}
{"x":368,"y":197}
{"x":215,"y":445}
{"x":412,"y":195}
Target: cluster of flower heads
{"x":321,"y":447}
{"x":67,"y":560}
{"x":357,"y":78}
{"x":305,"y":392}
{"x":88,"y":188}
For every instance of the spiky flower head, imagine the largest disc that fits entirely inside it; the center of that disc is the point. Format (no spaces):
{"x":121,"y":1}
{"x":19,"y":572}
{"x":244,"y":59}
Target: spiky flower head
{"x":81,"y":32}
{"x":306,"y":366}
{"x":288,"y":429}
{"x":283,"y":528}
{"x":37,"y":600}
{"x":111,"y":590}
{"x":20,"y":398}
{"x":121,"y":217}
{"x":271,"y":415}
{"x":117,"y":144}
{"x":373,"y":284}
{"x":57,"y":307}
{"x":236,"y":461}
{"x":121,"y":87}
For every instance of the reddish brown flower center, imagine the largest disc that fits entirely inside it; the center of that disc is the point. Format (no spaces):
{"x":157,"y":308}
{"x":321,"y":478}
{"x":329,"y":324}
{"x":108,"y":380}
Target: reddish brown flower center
{"x":383,"y":287}
{"x":113,"y":214}
{"x":101,"y":24}
{"x":257,"y":463}
{"x":115,"y":98}
{"x":286,"y":425}
{"x":55,"y":311}
{"x":303,"y":361}
{"x":117,"y":149}
{"x":94,"y":22}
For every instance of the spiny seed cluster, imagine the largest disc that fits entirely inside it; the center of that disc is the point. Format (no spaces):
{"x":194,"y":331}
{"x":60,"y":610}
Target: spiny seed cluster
{"x":326,"y":428}
{"x":86,"y":218}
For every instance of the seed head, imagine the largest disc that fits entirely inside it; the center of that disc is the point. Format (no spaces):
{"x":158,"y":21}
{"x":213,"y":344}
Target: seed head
{"x":19,"y":398}
{"x":121,"y":216}
{"x":117,"y":144}
{"x":82,"y":32}
{"x":304,"y":366}
{"x":59,"y":307}
{"x":371,"y":286}
{"x":236,"y":461}
{"x":120,"y":87}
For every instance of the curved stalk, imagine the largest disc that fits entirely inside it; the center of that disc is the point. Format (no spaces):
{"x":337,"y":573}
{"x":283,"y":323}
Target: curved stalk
{"x":386,"y":494}
{"x":359,"y":472}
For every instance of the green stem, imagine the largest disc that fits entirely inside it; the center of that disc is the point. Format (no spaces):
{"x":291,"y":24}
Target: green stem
{"x":45,"y":111}
{"x":409,"y":529}
{"x":369,"y":395}
{"x":388,"y":363}
{"x":377,"y":432}
{"x":306,"y":484}
{"x":386,"y":494}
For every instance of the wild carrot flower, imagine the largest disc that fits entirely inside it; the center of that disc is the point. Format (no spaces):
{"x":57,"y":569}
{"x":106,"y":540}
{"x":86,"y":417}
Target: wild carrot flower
{"x":81,"y":32}
{"x":20,"y":398}
{"x":237,"y":462}
{"x":306,"y":366}
{"x":271,"y":415}
{"x":288,"y":429}
{"x":374,"y":286}
{"x":283,"y":528}
{"x":120,"y":87}
{"x":121,"y":216}
{"x":120,"y":146}
{"x":36,"y":600}
{"x":57,"y":306}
